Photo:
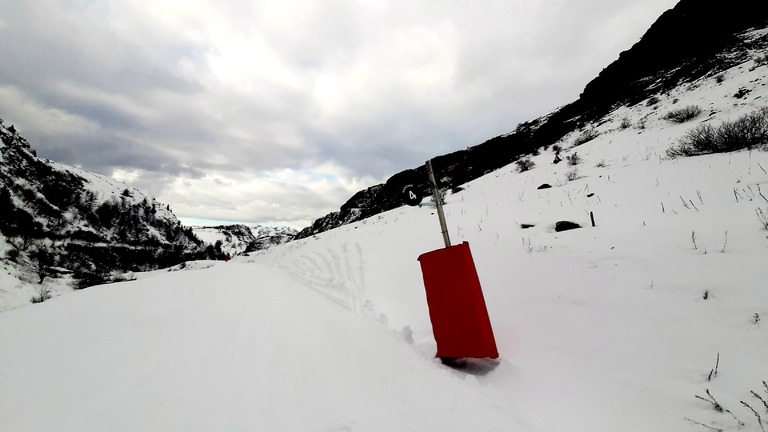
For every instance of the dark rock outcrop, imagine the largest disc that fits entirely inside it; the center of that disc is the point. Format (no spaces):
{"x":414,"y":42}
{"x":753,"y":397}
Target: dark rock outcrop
{"x":566,"y":226}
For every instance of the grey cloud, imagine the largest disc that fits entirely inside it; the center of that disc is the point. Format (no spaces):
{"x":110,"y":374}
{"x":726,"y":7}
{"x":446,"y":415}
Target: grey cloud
{"x":161,"y":110}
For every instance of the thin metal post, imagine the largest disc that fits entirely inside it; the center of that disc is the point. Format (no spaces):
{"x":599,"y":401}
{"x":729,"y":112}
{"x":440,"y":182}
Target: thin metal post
{"x":439,"y":201}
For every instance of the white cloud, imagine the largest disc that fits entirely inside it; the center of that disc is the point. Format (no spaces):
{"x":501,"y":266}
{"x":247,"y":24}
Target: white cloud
{"x":272,"y":107}
{"x":286,"y":196}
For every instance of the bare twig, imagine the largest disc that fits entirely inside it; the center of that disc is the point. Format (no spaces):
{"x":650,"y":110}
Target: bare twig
{"x":741,"y":423}
{"x":726,"y":241}
{"x":710,"y":399}
{"x":759,"y":420}
{"x":760,"y":398}
{"x":705,"y":425}
{"x":694,"y":205}
{"x":713,"y":371}
{"x":716,"y":405}
{"x":717,"y":364}
{"x":761,"y":193}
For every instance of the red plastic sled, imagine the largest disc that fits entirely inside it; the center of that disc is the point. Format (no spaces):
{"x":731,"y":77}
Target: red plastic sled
{"x":457,"y":309}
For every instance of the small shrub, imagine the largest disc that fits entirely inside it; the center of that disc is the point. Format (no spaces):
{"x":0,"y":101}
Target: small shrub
{"x":572,"y":174}
{"x":441,"y":193}
{"x":13,"y":255}
{"x":653,"y":100}
{"x":748,"y":131}
{"x":85,"y":279}
{"x":720,"y":78}
{"x":625,"y":123}
{"x":525,"y":164}
{"x":700,"y":140}
{"x":557,"y":148}
{"x":683,"y":115}
{"x":760,"y":61}
{"x":128,"y":277}
{"x":762,"y":216}
{"x":43,"y":294}
{"x":586,"y":136}
{"x":574,"y":159}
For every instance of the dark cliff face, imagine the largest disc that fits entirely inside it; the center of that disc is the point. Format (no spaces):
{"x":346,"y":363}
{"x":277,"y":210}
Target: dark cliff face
{"x":688,"y":37}
{"x":694,"y":39}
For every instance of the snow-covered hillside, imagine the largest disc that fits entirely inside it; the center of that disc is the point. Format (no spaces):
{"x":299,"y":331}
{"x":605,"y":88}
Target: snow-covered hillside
{"x":62,"y":227}
{"x":614,"y":327}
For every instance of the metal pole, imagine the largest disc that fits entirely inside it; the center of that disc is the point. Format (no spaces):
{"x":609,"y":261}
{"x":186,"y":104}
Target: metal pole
{"x":439,"y":201}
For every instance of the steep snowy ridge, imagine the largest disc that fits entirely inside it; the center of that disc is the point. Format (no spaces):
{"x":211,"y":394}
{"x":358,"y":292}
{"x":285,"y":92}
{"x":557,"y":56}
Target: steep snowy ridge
{"x":652,"y":320}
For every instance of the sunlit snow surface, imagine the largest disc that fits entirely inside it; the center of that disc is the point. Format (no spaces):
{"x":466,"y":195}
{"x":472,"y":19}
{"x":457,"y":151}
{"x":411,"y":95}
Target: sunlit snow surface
{"x":602,"y":328}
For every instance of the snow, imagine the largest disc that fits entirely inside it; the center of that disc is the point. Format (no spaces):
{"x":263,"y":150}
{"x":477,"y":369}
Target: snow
{"x":605,"y":328}
{"x":209,"y":235}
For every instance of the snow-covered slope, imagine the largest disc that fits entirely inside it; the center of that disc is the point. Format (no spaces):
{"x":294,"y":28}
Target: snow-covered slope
{"x":614,"y":327}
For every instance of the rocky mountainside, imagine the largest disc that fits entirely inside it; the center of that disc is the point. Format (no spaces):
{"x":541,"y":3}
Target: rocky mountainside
{"x":694,"y":39}
{"x":233,"y":240}
{"x":268,"y":236}
{"x":61,"y":220}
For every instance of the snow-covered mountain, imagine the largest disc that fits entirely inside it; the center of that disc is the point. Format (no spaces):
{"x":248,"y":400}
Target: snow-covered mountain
{"x":233,"y":240}
{"x":83,"y":228}
{"x":268,"y":236}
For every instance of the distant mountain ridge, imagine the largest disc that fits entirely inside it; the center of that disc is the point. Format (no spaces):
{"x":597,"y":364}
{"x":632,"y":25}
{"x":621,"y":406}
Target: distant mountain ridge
{"x":233,"y":240}
{"x":694,"y":39}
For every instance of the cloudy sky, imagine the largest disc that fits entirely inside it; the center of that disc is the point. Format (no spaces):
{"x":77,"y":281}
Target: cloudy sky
{"x":277,"y":111}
